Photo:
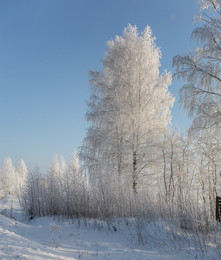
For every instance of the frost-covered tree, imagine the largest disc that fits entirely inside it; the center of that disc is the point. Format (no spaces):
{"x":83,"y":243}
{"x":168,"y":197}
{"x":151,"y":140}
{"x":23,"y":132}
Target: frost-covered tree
{"x":207,"y":146}
{"x":62,"y":164}
{"x":56,"y":184}
{"x":74,"y":175}
{"x":74,"y":186}
{"x":201,"y":95}
{"x":21,"y":174}
{"x":129,"y":108}
{"x":55,"y":167}
{"x":8,"y":178}
{"x":74,"y":164}
{"x":178,"y":168}
{"x":34,"y":199}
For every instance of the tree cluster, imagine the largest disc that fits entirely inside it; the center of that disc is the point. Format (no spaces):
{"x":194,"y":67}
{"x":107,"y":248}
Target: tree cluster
{"x":58,"y":192}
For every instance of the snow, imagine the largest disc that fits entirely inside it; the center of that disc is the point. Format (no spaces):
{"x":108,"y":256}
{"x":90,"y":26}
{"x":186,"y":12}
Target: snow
{"x":50,"y":238}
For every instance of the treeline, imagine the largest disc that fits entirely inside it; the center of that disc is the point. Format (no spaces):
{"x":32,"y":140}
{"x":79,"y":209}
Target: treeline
{"x":181,"y":184}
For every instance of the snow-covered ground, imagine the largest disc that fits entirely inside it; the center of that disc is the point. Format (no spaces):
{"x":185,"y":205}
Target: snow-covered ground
{"x":47,"y":238}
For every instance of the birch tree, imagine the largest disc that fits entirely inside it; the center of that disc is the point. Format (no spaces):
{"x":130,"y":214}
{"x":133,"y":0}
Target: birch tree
{"x":8,"y":177}
{"x":201,"y":95}
{"x":74,"y":187}
{"x":21,"y":172}
{"x":129,"y":107}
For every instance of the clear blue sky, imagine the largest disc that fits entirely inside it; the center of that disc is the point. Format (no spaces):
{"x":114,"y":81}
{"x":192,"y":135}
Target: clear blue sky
{"x":46,"y":50}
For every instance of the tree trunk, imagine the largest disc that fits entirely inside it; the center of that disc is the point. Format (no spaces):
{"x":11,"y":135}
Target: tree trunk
{"x":134,"y":172}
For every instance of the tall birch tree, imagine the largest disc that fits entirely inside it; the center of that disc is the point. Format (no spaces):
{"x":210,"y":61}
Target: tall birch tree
{"x":129,"y":108}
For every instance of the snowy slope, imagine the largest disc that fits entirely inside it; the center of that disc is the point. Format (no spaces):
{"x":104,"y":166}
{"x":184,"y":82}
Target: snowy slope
{"x":44,"y":238}
{"x":47,"y":238}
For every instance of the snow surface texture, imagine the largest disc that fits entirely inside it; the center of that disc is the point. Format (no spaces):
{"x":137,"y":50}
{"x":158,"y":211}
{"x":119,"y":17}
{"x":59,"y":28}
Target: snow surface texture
{"x":47,"y":238}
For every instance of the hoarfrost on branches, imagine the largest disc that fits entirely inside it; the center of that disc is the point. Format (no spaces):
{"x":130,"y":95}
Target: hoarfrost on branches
{"x":129,"y":108}
{"x":201,"y":95}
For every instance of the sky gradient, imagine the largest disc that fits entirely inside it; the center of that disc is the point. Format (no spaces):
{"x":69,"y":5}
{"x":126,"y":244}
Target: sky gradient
{"x":46,"y":50}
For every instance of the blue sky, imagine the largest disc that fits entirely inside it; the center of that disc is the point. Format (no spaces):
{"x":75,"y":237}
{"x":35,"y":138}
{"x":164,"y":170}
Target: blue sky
{"x":46,"y":50}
